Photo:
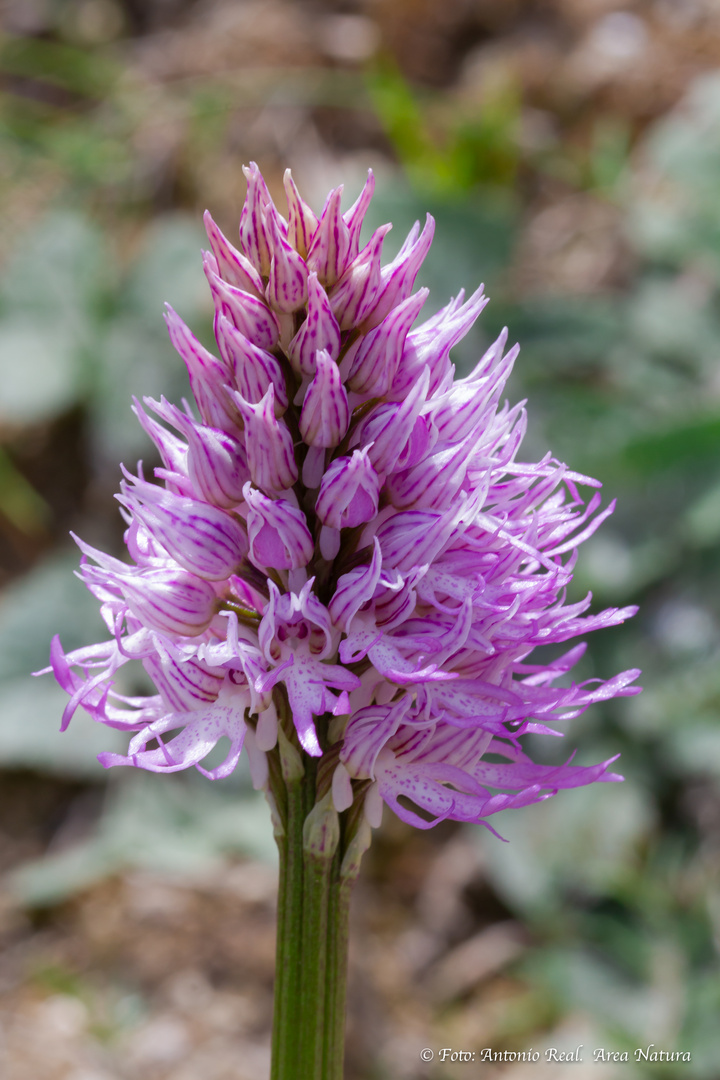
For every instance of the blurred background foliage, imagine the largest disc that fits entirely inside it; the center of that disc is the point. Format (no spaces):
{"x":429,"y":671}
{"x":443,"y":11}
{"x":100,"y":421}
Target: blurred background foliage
{"x":570,"y":154}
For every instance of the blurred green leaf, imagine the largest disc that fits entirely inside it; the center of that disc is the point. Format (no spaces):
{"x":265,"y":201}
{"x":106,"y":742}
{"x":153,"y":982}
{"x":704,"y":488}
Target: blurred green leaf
{"x":33,"y":608}
{"x":577,"y":840}
{"x":19,"y":501}
{"x":90,"y":73}
{"x":39,"y":371}
{"x":171,"y":825}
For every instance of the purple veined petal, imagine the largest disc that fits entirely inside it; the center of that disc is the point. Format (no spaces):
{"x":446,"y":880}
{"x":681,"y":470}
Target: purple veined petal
{"x":430,"y":343}
{"x":302,"y":222}
{"x":356,"y":214}
{"x":202,"y":730}
{"x":353,"y":296}
{"x":268,"y":443}
{"x":368,"y":731}
{"x":254,"y":234}
{"x":255,"y":369}
{"x":325,"y":415}
{"x":288,"y":282}
{"x":215,"y":461}
{"x":142,"y":546}
{"x":468,"y":403}
{"x":376,"y":362}
{"x":349,"y":492}
{"x":277,"y":532}
{"x":203,"y":539}
{"x":398,"y":277}
{"x":183,"y":686}
{"x":355,"y":589}
{"x":320,"y":331}
{"x":388,"y":430}
{"x":217,"y":465}
{"x":330,"y":249}
{"x":172,"y":601}
{"x":173,"y":450}
{"x":252,"y":317}
{"x":435,"y":481}
{"x":415,"y":537}
{"x":232,"y":266}
{"x":208,"y":376}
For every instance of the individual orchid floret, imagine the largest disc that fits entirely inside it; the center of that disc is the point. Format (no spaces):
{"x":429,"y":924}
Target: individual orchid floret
{"x":254,"y":232}
{"x":288,"y":281}
{"x":250,"y":316}
{"x":319,"y":332}
{"x":254,"y":369}
{"x":392,"y":433}
{"x":398,"y":277}
{"x":167,"y":599}
{"x":208,"y":376}
{"x":268,"y":444}
{"x":277,"y":532}
{"x":302,"y":222}
{"x":215,"y":462}
{"x":349,"y":492}
{"x":355,"y":293}
{"x":376,"y":361}
{"x":330,"y":249}
{"x":201,"y":538}
{"x":297,"y":637}
{"x":325,"y":414}
{"x":355,"y":216}
{"x":231,"y":265}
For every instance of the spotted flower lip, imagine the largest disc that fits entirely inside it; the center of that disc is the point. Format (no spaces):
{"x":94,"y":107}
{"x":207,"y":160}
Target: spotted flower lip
{"x":342,"y":541}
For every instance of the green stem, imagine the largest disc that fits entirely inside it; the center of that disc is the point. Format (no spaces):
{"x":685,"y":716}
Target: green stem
{"x":314,"y":969}
{"x":317,"y":873}
{"x":337,"y":953}
{"x":288,"y":953}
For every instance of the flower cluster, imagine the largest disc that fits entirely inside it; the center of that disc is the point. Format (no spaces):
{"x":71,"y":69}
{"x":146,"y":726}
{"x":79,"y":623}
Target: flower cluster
{"x":343,"y":539}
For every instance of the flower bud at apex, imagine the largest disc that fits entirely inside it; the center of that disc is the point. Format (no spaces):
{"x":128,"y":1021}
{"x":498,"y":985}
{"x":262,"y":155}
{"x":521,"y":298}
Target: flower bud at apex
{"x":231,"y":265}
{"x":277,"y":531}
{"x":329,"y":251}
{"x":254,"y":235}
{"x":287,"y":285}
{"x":320,"y":331}
{"x":321,"y":832}
{"x":348,"y":492}
{"x":355,"y":293}
{"x":325,"y":415}
{"x":396,"y":588}
{"x":302,"y":223}
{"x":356,"y":214}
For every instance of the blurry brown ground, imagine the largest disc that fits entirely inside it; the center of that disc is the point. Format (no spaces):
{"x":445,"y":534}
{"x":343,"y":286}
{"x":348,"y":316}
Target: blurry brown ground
{"x":151,"y":978}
